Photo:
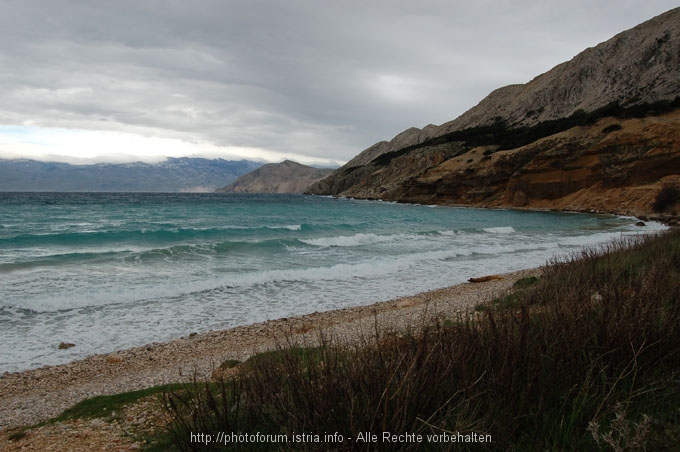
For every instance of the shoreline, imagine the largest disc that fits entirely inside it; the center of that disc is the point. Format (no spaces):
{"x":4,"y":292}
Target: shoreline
{"x":665,"y":218}
{"x":34,"y":395}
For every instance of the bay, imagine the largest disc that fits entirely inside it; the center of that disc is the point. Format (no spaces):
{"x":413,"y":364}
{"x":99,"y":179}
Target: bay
{"x":108,"y":271}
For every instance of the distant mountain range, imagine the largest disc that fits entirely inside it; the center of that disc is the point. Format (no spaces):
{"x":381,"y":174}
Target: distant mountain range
{"x":284,"y":177}
{"x":599,"y":132}
{"x":172,"y":175}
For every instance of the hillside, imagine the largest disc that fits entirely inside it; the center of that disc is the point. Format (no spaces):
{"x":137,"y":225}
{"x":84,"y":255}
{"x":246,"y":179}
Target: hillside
{"x":612,"y":165}
{"x":172,"y":175}
{"x":544,"y":143}
{"x":637,"y":66}
{"x":284,"y":177}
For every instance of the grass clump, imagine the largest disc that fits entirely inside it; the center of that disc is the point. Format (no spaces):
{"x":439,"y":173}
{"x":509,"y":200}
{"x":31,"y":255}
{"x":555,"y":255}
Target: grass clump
{"x":524,"y":283}
{"x":109,"y":405}
{"x":585,"y":358}
{"x":513,"y":299}
{"x":229,"y":364}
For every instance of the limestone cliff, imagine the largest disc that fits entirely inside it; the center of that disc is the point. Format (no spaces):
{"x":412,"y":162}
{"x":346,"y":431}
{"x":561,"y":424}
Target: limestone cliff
{"x":597,"y":132}
{"x":284,"y":177}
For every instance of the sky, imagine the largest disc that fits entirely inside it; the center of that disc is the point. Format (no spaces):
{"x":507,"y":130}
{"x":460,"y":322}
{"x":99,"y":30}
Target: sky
{"x":315,"y":81}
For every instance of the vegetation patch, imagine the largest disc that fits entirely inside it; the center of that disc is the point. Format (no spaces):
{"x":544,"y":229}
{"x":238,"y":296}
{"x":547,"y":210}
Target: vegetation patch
{"x":513,"y":299}
{"x":109,"y":406}
{"x":667,"y":198}
{"x":611,"y":128}
{"x":525,"y":283}
{"x":18,"y":434}
{"x":594,"y":367}
{"x":229,"y":364}
{"x":505,"y":136}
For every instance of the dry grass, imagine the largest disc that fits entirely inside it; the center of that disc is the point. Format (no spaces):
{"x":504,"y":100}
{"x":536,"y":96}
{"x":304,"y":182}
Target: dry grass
{"x":585,"y":358}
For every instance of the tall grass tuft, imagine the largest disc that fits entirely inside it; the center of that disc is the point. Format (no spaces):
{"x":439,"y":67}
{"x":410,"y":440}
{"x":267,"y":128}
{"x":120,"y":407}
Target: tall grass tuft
{"x":585,"y":358}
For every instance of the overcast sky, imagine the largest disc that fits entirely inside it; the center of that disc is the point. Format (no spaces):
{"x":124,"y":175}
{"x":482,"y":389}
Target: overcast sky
{"x":311,"y":80}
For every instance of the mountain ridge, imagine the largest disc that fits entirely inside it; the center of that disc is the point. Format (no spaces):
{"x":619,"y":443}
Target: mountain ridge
{"x":629,"y":68}
{"x":285,"y":177}
{"x":185,"y":174}
{"x":634,"y":74}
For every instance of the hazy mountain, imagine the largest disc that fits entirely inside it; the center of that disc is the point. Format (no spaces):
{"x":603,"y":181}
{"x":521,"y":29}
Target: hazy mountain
{"x":284,"y":177}
{"x":171,"y":175}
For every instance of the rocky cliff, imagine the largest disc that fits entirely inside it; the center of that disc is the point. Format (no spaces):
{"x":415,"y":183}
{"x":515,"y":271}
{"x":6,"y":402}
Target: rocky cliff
{"x":284,"y":177}
{"x":610,"y":166}
{"x":598,"y":132}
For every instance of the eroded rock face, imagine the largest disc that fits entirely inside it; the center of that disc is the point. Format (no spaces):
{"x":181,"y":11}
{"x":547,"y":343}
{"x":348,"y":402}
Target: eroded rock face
{"x":585,"y":168}
{"x":611,"y":166}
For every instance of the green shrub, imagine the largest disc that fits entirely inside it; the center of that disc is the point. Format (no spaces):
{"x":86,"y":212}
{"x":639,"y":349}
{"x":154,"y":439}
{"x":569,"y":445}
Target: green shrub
{"x":107,"y":406}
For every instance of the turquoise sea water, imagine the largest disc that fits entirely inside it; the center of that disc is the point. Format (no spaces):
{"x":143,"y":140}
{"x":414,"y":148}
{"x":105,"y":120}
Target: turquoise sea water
{"x":110,"y":271}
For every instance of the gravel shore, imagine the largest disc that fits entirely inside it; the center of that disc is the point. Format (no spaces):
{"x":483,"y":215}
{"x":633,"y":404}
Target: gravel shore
{"x":35,"y":395}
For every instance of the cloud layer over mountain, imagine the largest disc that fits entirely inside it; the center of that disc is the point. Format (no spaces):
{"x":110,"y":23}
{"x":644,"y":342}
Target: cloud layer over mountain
{"x":268,"y":79}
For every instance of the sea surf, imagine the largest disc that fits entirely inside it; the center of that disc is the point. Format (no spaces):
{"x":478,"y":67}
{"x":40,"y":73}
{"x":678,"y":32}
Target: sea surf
{"x":109,"y":271}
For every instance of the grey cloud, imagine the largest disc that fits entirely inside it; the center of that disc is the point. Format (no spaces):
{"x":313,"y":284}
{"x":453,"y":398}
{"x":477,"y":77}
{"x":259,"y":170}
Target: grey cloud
{"x":309,"y":77}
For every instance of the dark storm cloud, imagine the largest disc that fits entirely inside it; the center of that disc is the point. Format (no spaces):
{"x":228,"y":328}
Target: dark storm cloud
{"x":324,"y":79}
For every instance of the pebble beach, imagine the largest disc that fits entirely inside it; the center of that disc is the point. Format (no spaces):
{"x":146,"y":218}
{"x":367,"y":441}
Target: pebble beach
{"x":32,"y":396}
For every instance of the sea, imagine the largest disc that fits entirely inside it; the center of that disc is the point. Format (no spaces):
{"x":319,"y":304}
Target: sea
{"x":109,"y":271}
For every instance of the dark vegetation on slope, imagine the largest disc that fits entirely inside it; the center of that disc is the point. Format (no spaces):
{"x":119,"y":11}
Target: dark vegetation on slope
{"x":505,"y":136}
{"x":585,"y":358}
{"x":667,"y":198}
{"x":498,"y":136}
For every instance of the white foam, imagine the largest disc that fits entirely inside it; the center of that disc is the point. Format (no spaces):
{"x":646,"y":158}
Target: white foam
{"x":449,"y":233}
{"x":116,"y":302}
{"x":360,"y":239}
{"x":290,"y":227}
{"x":500,"y":230}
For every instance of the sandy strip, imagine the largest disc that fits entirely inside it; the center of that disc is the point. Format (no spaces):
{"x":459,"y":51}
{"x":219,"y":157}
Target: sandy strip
{"x":35,"y":395}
